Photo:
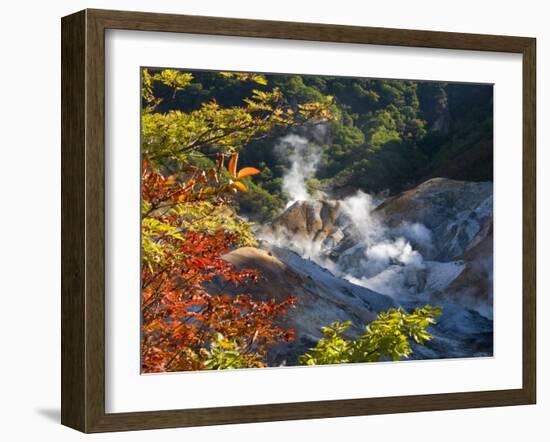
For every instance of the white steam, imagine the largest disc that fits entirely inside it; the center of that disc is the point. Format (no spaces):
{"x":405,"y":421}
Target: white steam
{"x":304,"y":158}
{"x":387,"y":260}
{"x":359,"y":208}
{"x":384,"y":259}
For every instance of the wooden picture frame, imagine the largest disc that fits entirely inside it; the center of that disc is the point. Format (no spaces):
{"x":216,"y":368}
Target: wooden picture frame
{"x":83,"y":220}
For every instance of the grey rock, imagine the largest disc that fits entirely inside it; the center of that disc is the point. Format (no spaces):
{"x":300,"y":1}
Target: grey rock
{"x":321,"y":297}
{"x":446,"y":223}
{"x":453,"y":210}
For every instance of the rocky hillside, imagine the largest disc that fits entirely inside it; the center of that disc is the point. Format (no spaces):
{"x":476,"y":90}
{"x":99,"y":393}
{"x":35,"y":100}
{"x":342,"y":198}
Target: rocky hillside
{"x":454,"y":212}
{"x":322,"y":298}
{"x":351,"y":258}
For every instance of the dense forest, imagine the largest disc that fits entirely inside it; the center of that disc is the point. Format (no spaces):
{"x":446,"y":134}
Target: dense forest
{"x":384,"y":136}
{"x":259,"y":238}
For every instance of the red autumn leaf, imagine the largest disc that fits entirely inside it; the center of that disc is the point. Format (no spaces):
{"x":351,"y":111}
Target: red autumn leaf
{"x":181,"y":311}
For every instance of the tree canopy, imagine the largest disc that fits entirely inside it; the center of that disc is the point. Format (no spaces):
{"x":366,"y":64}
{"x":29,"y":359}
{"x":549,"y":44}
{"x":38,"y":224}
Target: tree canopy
{"x":199,"y":127}
{"x":381,"y":134}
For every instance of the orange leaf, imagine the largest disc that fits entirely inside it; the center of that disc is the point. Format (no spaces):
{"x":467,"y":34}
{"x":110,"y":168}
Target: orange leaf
{"x":247,"y":171}
{"x":240,"y":186}
{"x":232,"y":166}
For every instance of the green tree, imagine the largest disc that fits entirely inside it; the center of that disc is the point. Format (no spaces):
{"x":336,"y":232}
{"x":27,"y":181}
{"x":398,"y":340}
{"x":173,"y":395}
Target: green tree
{"x":179,"y":135}
{"x":190,"y":175}
{"x":388,"y":337}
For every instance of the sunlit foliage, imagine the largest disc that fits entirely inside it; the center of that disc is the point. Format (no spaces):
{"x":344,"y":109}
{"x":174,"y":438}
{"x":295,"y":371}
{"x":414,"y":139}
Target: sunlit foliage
{"x":389,"y":337}
{"x":190,"y":318}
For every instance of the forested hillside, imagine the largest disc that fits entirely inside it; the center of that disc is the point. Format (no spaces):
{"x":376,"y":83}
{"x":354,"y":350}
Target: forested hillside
{"x":290,"y":219}
{"x":385,"y":135}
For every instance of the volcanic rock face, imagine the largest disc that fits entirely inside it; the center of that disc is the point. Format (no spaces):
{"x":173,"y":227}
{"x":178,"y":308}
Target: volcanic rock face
{"x":410,"y":244}
{"x":321,"y":297}
{"x":312,"y":226}
{"x":316,"y":220}
{"x":460,"y":218}
{"x":473,"y":287}
{"x":454,"y":211}
{"x":350,"y":259}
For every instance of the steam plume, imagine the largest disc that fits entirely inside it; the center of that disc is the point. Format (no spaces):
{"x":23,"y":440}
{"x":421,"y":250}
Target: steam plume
{"x":304,"y":158}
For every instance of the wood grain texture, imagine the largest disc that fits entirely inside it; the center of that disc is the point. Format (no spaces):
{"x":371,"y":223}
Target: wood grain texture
{"x":529,"y":220}
{"x":95,"y":221}
{"x":73,"y":255}
{"x":83,"y":218}
{"x":144,"y":21}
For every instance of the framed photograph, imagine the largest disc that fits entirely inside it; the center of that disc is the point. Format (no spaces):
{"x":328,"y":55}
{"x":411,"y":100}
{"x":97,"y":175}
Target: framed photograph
{"x":266,"y":221}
